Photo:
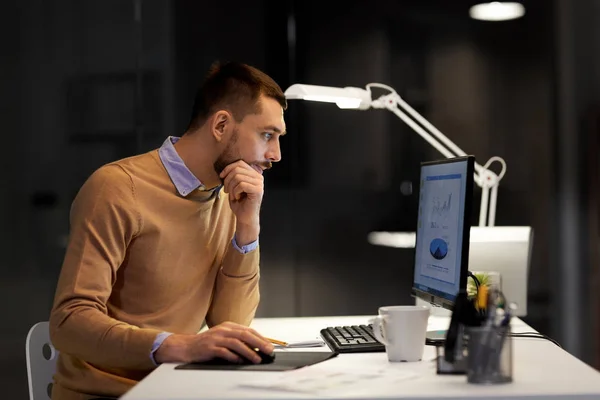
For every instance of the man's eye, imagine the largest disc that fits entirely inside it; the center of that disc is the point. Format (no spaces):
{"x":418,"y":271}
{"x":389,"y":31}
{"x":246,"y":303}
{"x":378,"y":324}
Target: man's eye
{"x":268,"y":135}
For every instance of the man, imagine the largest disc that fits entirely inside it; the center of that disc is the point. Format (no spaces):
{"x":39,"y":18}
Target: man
{"x":156,"y":248}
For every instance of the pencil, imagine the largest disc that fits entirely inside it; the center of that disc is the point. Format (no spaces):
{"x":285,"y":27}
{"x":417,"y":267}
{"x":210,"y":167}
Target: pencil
{"x":279,"y":342}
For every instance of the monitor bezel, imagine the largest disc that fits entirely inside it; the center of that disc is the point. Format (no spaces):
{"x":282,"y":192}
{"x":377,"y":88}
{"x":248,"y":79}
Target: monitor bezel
{"x":464,"y":261}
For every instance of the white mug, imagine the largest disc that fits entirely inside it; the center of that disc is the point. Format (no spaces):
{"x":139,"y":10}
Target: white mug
{"x":402,"y":330}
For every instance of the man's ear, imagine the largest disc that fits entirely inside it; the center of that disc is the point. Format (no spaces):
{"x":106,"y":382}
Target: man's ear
{"x":219,"y":124}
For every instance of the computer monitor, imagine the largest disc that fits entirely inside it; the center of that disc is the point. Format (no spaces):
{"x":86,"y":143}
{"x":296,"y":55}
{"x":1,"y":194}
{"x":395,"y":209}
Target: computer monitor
{"x":443,"y":227}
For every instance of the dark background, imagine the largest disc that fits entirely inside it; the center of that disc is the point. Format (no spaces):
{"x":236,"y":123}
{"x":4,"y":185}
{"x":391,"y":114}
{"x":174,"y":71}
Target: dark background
{"x":87,"y":82}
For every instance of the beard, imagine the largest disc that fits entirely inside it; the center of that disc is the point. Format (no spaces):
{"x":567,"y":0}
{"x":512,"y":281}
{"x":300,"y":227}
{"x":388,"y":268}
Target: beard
{"x":232,"y":153}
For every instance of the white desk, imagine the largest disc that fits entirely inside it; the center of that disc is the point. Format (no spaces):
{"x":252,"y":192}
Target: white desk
{"x":541,"y":370}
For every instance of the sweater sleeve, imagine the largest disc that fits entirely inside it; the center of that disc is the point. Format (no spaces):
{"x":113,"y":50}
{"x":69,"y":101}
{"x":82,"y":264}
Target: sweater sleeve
{"x":104,"y":220}
{"x":236,"y":293}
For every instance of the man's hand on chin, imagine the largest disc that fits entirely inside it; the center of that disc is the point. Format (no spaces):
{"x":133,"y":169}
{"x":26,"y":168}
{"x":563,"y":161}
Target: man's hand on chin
{"x":245,"y":186}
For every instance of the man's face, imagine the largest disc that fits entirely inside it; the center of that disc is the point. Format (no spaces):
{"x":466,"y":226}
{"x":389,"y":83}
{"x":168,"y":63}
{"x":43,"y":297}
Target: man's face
{"x":256,"y":139}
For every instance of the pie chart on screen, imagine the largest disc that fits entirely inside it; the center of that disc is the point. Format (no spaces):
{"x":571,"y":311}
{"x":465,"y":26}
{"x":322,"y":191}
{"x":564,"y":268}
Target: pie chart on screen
{"x":438,"y":248}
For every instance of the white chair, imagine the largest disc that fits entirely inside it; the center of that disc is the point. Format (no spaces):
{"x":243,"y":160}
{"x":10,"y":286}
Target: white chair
{"x":41,"y":361}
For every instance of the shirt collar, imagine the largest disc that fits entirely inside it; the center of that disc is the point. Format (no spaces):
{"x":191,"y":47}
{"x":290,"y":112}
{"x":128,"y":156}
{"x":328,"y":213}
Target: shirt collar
{"x":184,"y":180}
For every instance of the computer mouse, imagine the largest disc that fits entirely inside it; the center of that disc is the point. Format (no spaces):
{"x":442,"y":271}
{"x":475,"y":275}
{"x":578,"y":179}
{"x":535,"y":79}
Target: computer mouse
{"x":264,"y":359}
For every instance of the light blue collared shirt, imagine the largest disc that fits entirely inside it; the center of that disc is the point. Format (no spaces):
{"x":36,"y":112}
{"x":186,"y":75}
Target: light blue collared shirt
{"x":185,"y":182}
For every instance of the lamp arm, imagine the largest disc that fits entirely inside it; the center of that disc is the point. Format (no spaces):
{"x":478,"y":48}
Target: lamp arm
{"x":484,"y":177}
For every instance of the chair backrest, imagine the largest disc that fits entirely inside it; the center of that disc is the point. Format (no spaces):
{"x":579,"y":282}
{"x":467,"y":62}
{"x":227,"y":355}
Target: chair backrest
{"x":41,"y":361}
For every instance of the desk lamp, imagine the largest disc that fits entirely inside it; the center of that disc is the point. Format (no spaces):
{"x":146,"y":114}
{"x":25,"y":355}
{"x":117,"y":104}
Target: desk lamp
{"x":360,"y":99}
{"x":497,"y":11}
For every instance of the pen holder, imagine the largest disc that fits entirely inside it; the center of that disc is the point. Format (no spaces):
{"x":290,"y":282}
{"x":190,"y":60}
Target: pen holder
{"x":489,"y":359}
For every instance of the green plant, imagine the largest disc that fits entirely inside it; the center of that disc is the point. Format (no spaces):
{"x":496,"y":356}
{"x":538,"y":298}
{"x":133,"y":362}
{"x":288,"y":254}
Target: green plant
{"x":482,"y":277}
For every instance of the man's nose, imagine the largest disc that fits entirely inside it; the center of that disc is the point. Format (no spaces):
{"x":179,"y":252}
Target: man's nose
{"x":274,"y":153}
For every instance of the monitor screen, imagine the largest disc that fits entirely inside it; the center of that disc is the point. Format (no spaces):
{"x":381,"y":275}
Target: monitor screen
{"x":443,"y":226}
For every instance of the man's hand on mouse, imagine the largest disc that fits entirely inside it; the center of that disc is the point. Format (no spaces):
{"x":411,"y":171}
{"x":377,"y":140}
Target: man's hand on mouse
{"x":221,"y":341}
{"x":245,"y":186}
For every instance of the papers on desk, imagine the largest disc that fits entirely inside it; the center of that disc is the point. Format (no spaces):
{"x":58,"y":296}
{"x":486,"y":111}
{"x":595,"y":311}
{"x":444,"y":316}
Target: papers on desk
{"x":325,"y":381}
{"x":304,"y":343}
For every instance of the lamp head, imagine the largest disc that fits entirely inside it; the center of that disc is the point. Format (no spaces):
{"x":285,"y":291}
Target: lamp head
{"x":345,"y":98}
{"x":497,"y":11}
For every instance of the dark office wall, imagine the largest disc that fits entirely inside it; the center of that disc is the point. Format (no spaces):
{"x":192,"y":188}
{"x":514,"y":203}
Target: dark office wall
{"x":576,"y":300}
{"x":202,"y":35}
{"x":484,"y":85}
{"x":66,"y":107}
{"x":9,"y":221}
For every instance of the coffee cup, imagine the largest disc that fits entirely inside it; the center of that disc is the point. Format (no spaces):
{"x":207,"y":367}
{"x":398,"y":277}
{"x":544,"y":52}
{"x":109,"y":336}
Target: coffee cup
{"x":402,"y":329}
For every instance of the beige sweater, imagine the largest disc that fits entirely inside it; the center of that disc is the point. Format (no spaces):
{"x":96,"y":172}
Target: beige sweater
{"x":142,"y":260}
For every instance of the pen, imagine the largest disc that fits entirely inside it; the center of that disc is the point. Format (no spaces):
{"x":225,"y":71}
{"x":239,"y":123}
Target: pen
{"x":275,"y":341}
{"x":482,"y":297}
{"x":481,"y":300}
{"x":512,"y":307}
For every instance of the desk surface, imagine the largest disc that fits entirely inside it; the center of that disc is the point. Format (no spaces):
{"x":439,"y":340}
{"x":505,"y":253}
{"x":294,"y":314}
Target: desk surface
{"x":541,"y":370}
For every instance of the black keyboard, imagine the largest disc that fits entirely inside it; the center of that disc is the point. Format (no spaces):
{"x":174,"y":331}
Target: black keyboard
{"x":351,"y":339}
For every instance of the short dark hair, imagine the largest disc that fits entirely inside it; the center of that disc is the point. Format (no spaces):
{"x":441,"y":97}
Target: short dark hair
{"x":235,"y":87}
